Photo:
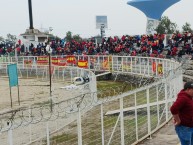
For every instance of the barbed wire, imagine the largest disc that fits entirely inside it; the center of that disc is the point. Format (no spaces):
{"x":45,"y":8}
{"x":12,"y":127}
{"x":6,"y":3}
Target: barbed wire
{"x":32,"y":115}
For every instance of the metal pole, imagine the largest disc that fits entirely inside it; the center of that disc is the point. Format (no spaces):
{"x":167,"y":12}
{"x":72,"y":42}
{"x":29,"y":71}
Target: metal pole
{"x":102,"y":125}
{"x":158,"y":107}
{"x":10,"y":138}
{"x":30,"y":131}
{"x":11,"y":96}
{"x":166,"y":99}
{"x":10,"y":89}
{"x":18,"y":89}
{"x":148,"y":112}
{"x":122,"y":122}
{"x":136,"y":118}
{"x":30,"y":14}
{"x":10,"y":133}
{"x":79,"y":127}
{"x":50,"y":74}
{"x":47,"y":134}
{"x":18,"y":94}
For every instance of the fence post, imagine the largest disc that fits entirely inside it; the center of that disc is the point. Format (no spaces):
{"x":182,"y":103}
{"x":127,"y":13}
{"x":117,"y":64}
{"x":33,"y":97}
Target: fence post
{"x":71,"y":75}
{"x":10,"y":133}
{"x":88,"y":62}
{"x":122,"y":122}
{"x":139,"y":64}
{"x":148,"y":112}
{"x":156,"y":62}
{"x":148,"y":67}
{"x":166,"y":99}
{"x":122,"y":64}
{"x":47,"y":133}
{"x":58,"y":72}
{"x":102,"y":126}
{"x":30,"y":132}
{"x":157,"y":96}
{"x":10,"y":137}
{"x":79,"y":127}
{"x":112,"y":59}
{"x":136,"y":118}
{"x":163,"y":67}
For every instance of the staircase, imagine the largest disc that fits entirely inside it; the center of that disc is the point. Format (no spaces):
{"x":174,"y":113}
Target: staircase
{"x":188,"y":71}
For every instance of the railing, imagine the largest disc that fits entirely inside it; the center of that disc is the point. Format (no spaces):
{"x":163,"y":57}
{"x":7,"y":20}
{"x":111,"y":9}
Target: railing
{"x":122,"y":117}
{"x":120,"y":64}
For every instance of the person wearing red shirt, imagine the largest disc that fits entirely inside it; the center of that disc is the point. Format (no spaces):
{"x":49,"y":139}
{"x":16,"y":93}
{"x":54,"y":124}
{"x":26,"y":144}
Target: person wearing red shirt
{"x":182,"y":111}
{"x":123,"y":38}
{"x":18,"y":50}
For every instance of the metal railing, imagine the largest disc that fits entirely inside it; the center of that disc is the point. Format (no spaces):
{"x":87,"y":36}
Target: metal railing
{"x":118,"y":117}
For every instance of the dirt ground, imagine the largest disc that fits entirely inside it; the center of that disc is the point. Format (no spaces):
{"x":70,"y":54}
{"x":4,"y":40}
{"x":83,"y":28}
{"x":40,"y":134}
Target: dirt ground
{"x":33,"y":92}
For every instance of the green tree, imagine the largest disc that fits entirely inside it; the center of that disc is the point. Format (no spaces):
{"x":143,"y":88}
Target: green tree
{"x":77,"y":38}
{"x":68,"y":36}
{"x":186,"y":27}
{"x":166,"y":26}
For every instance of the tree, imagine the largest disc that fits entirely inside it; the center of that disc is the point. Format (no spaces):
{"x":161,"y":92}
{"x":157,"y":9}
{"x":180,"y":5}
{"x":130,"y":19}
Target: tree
{"x":12,"y":38}
{"x":166,"y":26}
{"x":77,"y":38}
{"x":186,"y":27}
{"x":68,"y":36}
{"x":1,"y":38}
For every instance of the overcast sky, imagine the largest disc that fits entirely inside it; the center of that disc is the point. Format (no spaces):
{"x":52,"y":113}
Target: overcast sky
{"x":79,"y":16}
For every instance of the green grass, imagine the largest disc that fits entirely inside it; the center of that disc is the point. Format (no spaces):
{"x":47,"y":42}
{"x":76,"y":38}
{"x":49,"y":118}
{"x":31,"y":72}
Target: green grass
{"x":101,"y":85}
{"x":93,"y":136}
{"x":62,"y":138}
{"x":112,"y":88}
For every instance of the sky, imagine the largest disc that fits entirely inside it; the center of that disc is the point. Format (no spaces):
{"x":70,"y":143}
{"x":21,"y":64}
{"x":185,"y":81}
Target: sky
{"x":79,"y":16}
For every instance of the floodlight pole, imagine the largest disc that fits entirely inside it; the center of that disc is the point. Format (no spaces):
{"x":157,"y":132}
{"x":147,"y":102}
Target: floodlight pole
{"x":30,"y":14}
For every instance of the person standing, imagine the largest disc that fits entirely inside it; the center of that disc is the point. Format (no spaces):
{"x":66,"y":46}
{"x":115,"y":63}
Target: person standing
{"x":182,"y":111}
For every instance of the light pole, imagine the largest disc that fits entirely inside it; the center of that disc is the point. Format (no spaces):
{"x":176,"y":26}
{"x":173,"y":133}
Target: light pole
{"x":49,"y":51}
{"x":30,"y":15}
{"x":102,"y":30}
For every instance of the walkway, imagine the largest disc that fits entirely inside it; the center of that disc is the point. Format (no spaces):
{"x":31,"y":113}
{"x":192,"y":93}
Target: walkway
{"x":165,"y":136}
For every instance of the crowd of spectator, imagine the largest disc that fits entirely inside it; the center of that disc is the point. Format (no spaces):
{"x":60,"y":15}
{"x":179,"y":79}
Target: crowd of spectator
{"x":145,"y":45}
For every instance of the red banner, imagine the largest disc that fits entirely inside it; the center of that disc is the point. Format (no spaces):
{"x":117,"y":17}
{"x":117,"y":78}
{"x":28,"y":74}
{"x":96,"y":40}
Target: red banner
{"x":42,"y":60}
{"x":83,"y":63}
{"x":55,"y":61}
{"x":71,"y":59}
{"x":154,"y":66}
{"x":62,"y":61}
